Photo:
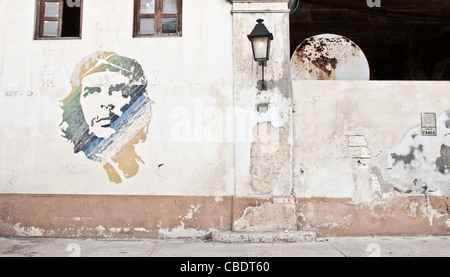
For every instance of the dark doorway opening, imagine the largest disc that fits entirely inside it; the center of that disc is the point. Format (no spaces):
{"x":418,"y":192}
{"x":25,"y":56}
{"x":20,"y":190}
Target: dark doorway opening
{"x":402,"y":39}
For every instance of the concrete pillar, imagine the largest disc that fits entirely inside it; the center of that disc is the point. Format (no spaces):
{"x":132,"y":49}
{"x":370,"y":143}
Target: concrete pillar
{"x":263,"y":117}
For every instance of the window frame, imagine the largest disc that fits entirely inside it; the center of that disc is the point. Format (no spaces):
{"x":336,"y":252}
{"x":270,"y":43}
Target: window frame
{"x":158,"y":17}
{"x":41,"y":18}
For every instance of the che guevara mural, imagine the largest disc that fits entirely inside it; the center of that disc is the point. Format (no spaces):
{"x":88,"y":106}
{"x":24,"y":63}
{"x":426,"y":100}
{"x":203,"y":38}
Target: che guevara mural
{"x":107,"y":112}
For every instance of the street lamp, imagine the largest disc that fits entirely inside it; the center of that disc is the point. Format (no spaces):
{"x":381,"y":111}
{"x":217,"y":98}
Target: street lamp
{"x":260,"y":38}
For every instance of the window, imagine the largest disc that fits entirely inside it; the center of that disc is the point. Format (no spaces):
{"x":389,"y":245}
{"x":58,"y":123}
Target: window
{"x":58,"y":19}
{"x":157,"y":18}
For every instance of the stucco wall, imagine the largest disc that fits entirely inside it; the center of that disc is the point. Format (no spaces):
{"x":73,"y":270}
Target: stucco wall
{"x":189,"y":145}
{"x":336,"y":157}
{"x":349,"y":136}
{"x":263,"y":149}
{"x":360,"y":159}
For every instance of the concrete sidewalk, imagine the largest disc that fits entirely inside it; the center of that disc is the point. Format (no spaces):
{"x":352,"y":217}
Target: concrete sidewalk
{"x":420,"y":246}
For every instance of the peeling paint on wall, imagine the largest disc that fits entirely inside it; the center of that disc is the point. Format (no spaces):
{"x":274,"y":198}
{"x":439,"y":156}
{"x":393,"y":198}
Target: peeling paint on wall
{"x":107,"y":112}
{"x":270,"y":167}
{"x":181,"y":232}
{"x":423,"y":160}
{"x":347,"y":151}
{"x":400,"y":216}
{"x":278,"y":110}
{"x":263,"y":136}
{"x":28,"y":231}
{"x":278,"y":214}
{"x":269,"y":157}
{"x":359,"y":151}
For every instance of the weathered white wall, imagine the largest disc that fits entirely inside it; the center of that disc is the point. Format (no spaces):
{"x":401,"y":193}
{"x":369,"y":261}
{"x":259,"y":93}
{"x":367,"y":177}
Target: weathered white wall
{"x":190,"y":82}
{"x":361,"y":140}
{"x":330,"y":156}
{"x":263,"y":149}
{"x":205,"y":122}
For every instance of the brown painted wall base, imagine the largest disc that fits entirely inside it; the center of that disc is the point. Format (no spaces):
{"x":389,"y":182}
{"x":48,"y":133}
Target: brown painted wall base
{"x":402,"y":216}
{"x":104,"y":216}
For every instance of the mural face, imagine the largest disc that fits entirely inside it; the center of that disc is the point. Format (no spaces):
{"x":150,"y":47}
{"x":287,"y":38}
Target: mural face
{"x":107,"y":112}
{"x":101,"y":100}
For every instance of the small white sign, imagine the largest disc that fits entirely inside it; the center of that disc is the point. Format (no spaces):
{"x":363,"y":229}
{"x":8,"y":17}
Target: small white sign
{"x":429,"y":124}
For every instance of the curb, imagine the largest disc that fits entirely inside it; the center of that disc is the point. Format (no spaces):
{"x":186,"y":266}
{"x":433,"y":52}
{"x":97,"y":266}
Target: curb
{"x":263,"y":237}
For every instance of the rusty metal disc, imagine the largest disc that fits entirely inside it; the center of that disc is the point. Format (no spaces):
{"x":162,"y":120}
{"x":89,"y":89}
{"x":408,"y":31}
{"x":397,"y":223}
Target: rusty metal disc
{"x":329,"y":57}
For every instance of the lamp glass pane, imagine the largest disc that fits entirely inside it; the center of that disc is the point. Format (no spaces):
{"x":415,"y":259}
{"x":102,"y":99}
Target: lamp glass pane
{"x":260,"y":47}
